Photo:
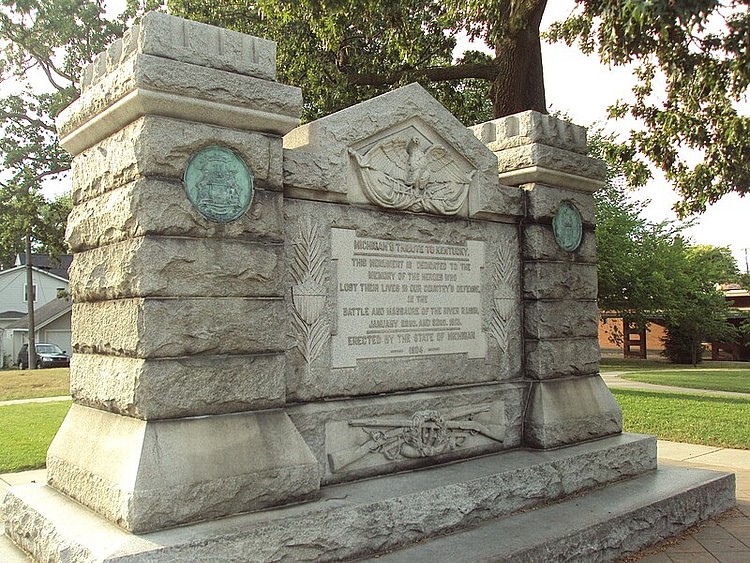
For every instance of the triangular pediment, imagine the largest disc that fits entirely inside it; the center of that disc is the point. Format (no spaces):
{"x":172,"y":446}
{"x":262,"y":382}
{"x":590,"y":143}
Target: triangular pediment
{"x":402,"y":151}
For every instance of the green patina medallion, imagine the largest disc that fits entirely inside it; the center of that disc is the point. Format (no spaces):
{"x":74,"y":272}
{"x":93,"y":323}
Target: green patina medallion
{"x":567,"y":226}
{"x":218,"y":184}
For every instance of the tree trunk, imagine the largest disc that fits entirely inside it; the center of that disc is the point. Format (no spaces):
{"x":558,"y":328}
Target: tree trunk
{"x":30,"y":304}
{"x":519,"y":83}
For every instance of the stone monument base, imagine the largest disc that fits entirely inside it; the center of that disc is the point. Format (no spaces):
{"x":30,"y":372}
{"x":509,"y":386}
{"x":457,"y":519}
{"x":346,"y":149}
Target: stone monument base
{"x":598,"y":500}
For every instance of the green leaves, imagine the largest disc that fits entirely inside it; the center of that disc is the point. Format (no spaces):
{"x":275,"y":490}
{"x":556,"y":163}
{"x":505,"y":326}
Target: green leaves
{"x":345,"y":51}
{"x":649,"y":271}
{"x":693,"y":127}
{"x":46,"y":44}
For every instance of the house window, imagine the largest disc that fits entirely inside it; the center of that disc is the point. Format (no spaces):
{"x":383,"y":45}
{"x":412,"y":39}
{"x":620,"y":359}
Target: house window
{"x":26,"y":292}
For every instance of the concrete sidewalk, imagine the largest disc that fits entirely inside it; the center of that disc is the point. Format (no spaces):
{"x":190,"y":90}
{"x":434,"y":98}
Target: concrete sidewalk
{"x":615,"y":380}
{"x":725,"y":539}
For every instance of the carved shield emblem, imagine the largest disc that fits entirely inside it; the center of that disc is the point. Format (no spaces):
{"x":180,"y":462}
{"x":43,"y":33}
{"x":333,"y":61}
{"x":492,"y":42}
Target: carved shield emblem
{"x":218,"y":184}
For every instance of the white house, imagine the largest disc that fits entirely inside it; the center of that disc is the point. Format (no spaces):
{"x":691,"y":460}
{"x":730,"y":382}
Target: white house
{"x":49,"y":279}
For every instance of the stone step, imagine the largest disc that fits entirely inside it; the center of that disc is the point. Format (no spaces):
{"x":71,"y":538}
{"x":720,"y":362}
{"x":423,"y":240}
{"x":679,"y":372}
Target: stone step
{"x":9,"y":552}
{"x":380,"y":515}
{"x":602,"y":525}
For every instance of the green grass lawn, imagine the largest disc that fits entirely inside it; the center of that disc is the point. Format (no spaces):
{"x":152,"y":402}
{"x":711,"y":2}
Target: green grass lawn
{"x":26,"y":432}
{"x":32,"y":383}
{"x":695,"y":419}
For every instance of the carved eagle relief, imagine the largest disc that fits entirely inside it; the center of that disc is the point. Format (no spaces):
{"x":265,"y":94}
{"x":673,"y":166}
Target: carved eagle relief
{"x":399,"y":174}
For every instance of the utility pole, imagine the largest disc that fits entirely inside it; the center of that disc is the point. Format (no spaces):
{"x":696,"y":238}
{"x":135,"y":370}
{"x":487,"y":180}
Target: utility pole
{"x":30,"y":294}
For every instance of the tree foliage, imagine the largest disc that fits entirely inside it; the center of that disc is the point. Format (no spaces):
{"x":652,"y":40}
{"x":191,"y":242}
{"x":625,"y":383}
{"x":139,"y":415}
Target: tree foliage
{"x":343,"y":51}
{"x":45,"y":44}
{"x":649,"y":273}
{"x":692,"y":62}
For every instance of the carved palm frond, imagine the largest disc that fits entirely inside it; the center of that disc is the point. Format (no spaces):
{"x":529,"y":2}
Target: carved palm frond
{"x":308,"y":292}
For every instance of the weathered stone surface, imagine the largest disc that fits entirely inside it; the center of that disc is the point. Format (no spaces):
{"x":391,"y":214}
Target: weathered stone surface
{"x":161,"y":328}
{"x":538,"y":243}
{"x":548,"y":359}
{"x":566,"y":411}
{"x":513,"y":162}
{"x":147,"y":85}
{"x":162,"y":147}
{"x":323,"y":174}
{"x":604,"y":525}
{"x":532,"y":147}
{"x":187,"y":41}
{"x":326,"y":429}
{"x":544,"y":201}
{"x":370,"y":517}
{"x":559,"y":280}
{"x":158,"y":474}
{"x":152,"y":206}
{"x":560,"y":319}
{"x":178,"y":387}
{"x":311,"y":378}
{"x":185,"y":70}
{"x":178,"y":267}
{"x":498,"y":203}
{"x":530,"y":127}
{"x":329,"y":145}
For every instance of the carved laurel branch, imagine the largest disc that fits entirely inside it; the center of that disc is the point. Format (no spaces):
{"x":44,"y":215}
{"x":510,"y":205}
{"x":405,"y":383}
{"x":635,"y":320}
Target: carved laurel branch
{"x":309,"y":292}
{"x":504,"y":284}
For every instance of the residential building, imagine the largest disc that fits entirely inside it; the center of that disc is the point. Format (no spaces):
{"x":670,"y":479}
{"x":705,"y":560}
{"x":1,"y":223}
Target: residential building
{"x":49,"y":279}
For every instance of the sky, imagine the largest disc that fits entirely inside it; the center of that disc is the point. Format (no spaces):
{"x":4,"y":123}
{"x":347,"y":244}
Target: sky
{"x":582,"y":88}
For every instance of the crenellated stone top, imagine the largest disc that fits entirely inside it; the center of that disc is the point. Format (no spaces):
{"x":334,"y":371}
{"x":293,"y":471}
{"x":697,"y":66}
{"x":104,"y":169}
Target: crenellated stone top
{"x":171,"y":67}
{"x":531,"y":127}
{"x":533,"y":148}
{"x":187,"y":41}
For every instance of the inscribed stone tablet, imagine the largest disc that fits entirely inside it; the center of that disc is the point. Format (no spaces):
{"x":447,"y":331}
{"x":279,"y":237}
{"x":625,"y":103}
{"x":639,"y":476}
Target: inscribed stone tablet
{"x":218,"y":184}
{"x":399,"y":298}
{"x":567,"y":226}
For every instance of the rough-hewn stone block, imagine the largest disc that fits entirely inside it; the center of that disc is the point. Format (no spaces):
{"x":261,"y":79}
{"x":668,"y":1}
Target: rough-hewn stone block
{"x":161,"y":328}
{"x":544,"y":201}
{"x":160,"y":207}
{"x":559,"y":280}
{"x":161,"y":146}
{"x":149,"y":475}
{"x":530,"y":127}
{"x":538,"y":243}
{"x":549,"y":359}
{"x":178,"y":387}
{"x":512,"y":162}
{"x":178,"y":267}
{"x":560,"y":319}
{"x":192,"y":42}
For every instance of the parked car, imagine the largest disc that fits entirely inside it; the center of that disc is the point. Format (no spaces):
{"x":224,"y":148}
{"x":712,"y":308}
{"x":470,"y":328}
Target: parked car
{"x":47,"y":356}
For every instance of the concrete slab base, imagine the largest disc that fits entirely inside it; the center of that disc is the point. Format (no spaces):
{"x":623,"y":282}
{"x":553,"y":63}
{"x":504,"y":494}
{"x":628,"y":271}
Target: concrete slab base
{"x":374,"y":517}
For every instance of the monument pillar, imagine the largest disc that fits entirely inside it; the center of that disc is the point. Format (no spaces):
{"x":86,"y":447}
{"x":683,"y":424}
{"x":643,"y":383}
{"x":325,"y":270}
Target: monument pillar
{"x":179,"y":317}
{"x":546,"y":158}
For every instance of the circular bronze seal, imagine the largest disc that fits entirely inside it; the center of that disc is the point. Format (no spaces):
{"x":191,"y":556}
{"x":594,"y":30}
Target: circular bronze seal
{"x":567,"y":226}
{"x":218,"y":184}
